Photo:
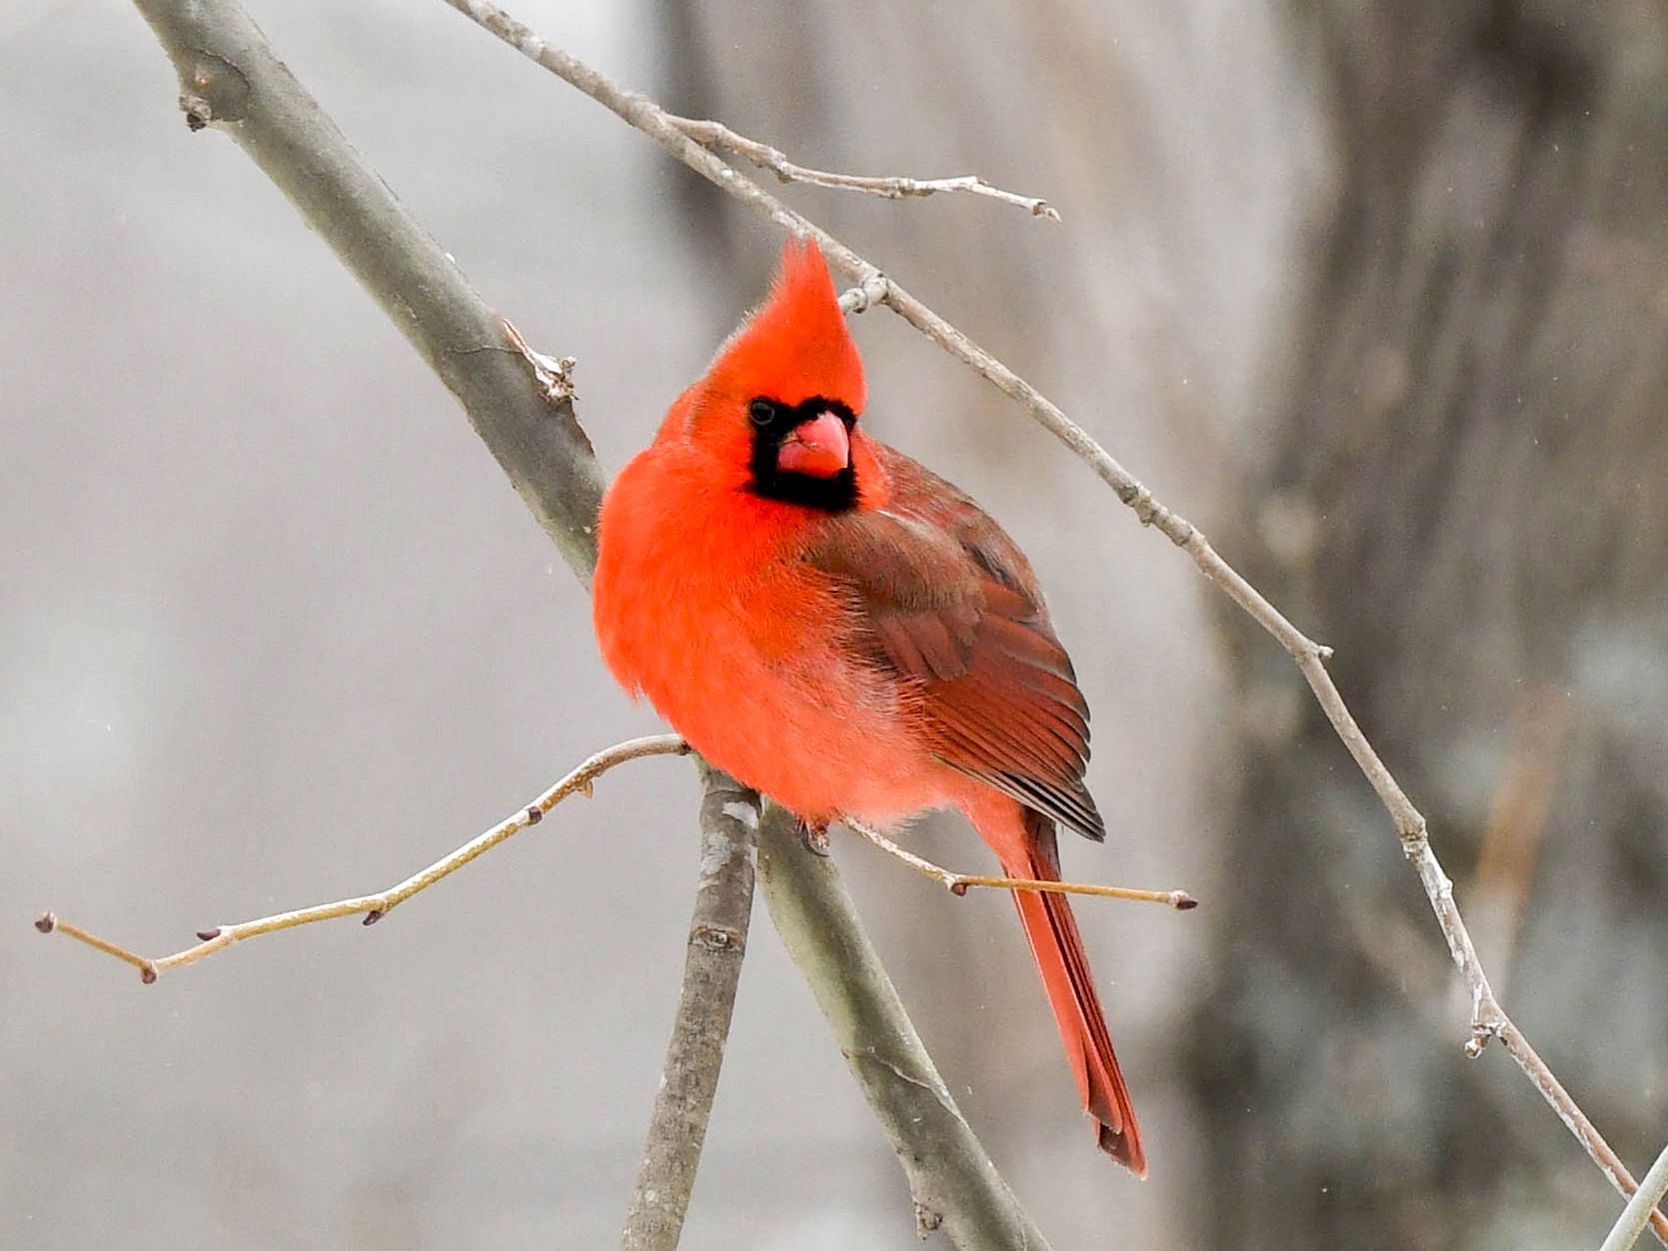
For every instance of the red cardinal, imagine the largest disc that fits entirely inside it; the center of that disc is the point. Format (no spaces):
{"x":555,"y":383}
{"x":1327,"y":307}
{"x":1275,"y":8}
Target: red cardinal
{"x":834,"y":625}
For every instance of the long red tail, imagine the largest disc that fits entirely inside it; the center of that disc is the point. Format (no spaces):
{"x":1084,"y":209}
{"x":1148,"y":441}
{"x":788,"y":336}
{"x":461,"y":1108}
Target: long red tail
{"x":1058,"y":948}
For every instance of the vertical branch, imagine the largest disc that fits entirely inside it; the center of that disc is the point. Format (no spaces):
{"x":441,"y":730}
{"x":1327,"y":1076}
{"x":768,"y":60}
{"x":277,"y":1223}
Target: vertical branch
{"x":695,"y":1054}
{"x":953,"y":1182}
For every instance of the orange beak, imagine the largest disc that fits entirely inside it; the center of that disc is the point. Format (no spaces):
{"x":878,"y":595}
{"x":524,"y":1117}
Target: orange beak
{"x":819,"y":448}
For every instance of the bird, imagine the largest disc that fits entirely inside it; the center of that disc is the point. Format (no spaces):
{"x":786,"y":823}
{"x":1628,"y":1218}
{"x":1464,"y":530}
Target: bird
{"x":839,"y":628}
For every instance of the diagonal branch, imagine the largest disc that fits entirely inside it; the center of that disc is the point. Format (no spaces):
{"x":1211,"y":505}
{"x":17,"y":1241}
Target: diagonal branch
{"x":1488,"y":1018}
{"x":718,"y":137}
{"x":376,"y":906}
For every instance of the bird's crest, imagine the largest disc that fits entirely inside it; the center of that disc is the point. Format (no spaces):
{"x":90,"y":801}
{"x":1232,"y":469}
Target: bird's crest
{"x":795,"y":346}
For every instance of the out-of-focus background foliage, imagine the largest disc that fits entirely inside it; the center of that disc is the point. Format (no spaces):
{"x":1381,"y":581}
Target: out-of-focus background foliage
{"x":1376,"y":290}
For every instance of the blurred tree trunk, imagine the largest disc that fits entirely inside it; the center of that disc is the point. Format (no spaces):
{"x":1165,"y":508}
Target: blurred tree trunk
{"x":1465,"y":492}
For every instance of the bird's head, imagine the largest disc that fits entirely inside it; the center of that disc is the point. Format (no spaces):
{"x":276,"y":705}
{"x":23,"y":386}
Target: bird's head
{"x":779,"y":405}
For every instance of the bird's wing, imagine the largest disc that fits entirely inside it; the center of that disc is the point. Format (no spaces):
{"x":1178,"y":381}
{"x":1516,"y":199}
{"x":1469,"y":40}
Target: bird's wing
{"x":947,"y":602}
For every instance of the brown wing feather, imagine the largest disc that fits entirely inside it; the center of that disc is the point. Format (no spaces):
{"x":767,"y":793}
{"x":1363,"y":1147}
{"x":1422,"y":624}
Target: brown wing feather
{"x":949,"y":602}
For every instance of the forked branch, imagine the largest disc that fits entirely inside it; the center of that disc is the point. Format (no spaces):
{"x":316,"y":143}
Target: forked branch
{"x":376,"y":906}
{"x":715,"y":136}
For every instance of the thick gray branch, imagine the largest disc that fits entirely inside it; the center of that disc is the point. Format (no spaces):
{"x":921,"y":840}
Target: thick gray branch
{"x":689,"y":1080}
{"x":230,"y":79}
{"x":953,"y":1182}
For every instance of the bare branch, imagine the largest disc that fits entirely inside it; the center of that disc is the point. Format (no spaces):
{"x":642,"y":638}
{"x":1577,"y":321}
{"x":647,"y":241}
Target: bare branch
{"x":715,"y":136}
{"x":1488,"y":1018}
{"x":961,"y":883}
{"x":695,"y":1054}
{"x":953,"y":1183}
{"x":376,"y":906}
{"x":1640,"y":1208}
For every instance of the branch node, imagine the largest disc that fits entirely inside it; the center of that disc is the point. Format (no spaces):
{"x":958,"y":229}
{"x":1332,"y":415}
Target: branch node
{"x":373,"y":916}
{"x":957,"y":886}
{"x":874,"y":289}
{"x":716,"y":937}
{"x":198,"y":112}
{"x":46,"y":922}
{"x":553,"y":374}
{"x":147,"y":974}
{"x":1415,"y":839}
{"x":1140,"y":499}
{"x":927,"y":1220}
{"x":214,"y":90}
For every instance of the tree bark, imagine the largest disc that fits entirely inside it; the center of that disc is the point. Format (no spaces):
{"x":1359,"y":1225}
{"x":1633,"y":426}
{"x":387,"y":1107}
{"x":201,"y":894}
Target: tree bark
{"x":1456,"y":496}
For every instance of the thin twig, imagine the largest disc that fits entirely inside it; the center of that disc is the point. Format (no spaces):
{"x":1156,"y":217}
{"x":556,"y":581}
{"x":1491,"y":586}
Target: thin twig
{"x":1641,"y":1208}
{"x":1487,"y":1018}
{"x":695,"y":1054}
{"x":719,"y":137}
{"x":376,"y":906}
{"x":961,"y":883}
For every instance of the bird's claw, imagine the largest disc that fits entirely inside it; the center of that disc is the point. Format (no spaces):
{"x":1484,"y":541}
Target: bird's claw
{"x":815,"y":837}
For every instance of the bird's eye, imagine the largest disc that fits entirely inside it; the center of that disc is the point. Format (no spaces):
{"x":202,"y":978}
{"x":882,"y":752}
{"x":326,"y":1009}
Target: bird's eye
{"x":761,"y":412}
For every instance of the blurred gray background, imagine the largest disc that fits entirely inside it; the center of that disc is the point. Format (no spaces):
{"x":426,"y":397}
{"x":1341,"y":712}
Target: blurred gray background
{"x":1374,"y":289}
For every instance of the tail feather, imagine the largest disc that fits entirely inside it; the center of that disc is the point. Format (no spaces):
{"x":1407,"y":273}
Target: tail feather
{"x":1058,"y":948}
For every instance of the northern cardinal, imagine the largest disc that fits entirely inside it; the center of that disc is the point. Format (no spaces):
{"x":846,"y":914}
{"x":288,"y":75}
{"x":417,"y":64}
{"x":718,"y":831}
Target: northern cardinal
{"x":839,"y":628}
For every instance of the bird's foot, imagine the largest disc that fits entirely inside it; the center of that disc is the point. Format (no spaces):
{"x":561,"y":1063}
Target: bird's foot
{"x":815,"y":837}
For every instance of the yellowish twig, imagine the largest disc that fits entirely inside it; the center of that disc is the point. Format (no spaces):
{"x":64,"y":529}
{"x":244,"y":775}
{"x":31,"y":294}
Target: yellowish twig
{"x":961,"y":883}
{"x":715,"y":136}
{"x":376,"y":906}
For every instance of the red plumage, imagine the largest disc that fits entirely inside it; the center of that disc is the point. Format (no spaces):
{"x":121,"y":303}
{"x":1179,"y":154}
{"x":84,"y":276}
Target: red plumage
{"x":831,"y":623}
